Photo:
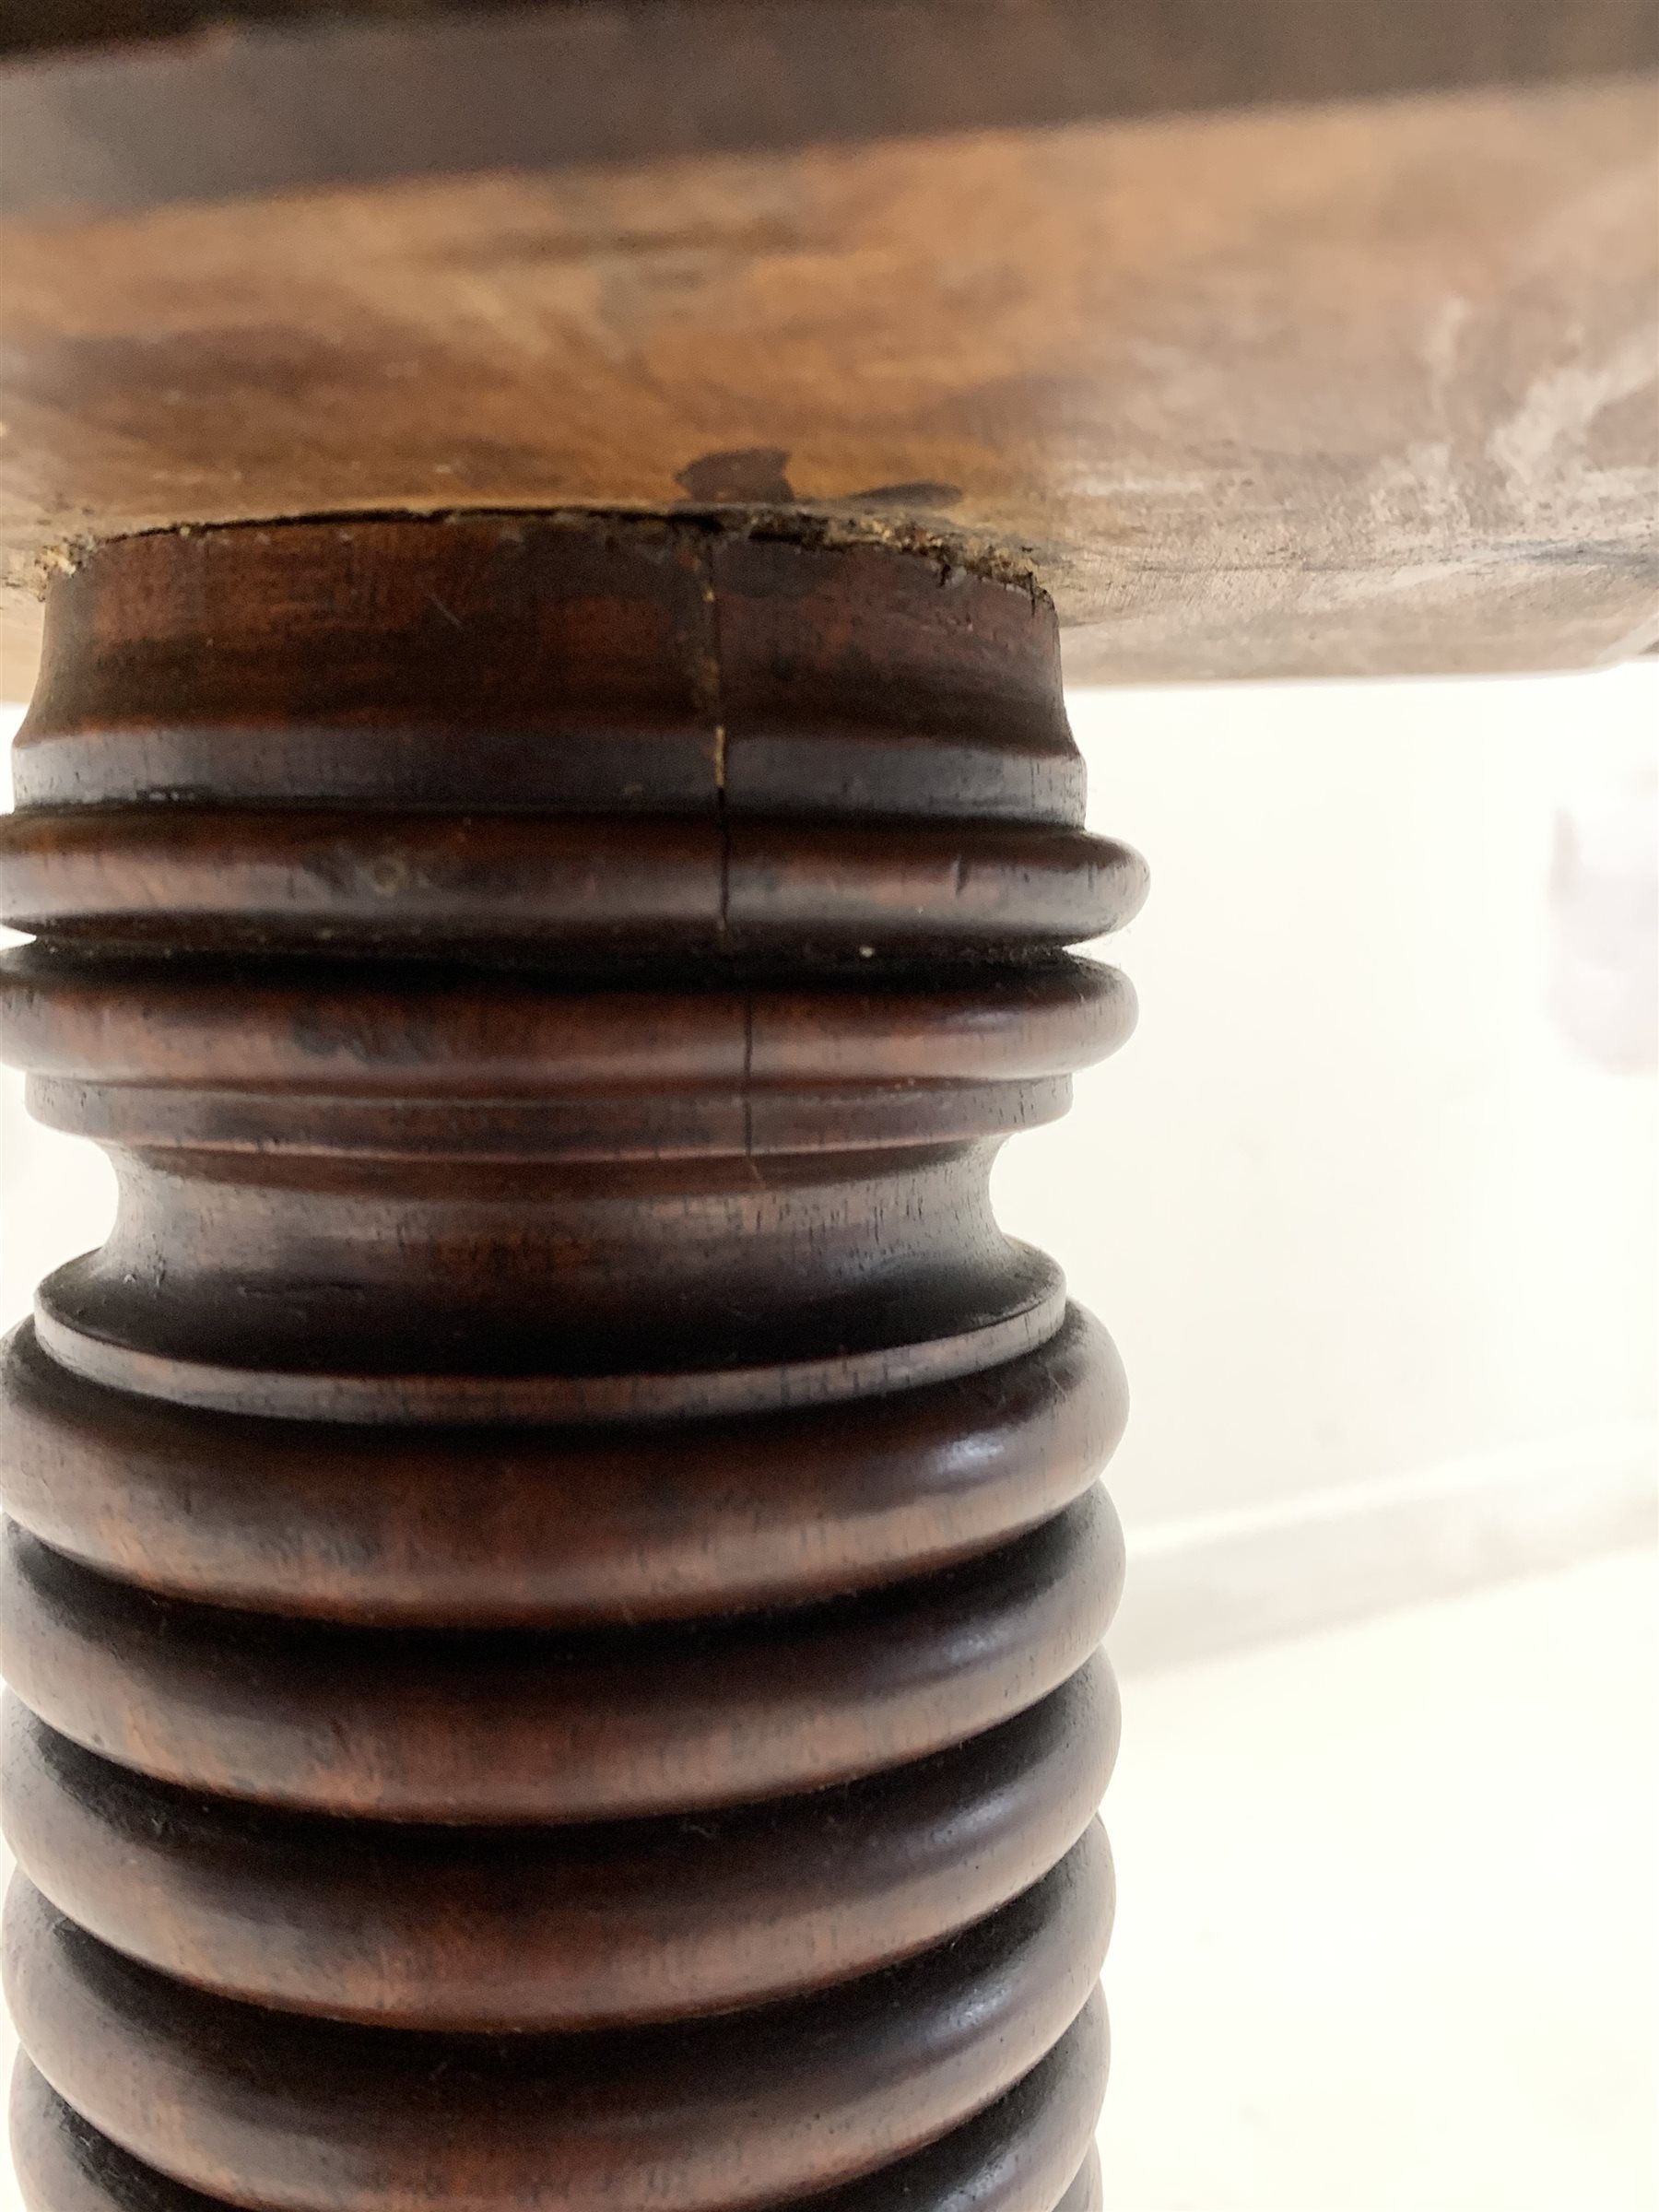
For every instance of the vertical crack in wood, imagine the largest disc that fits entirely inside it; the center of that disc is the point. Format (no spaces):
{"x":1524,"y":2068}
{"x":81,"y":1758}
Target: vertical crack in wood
{"x":556,"y":1557}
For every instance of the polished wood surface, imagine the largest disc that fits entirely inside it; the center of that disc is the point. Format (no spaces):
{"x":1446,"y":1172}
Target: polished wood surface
{"x":556,"y":1557}
{"x":1270,"y":336}
{"x":1014,"y":2155}
{"x":555,"y":1562}
{"x":1002,"y":2162}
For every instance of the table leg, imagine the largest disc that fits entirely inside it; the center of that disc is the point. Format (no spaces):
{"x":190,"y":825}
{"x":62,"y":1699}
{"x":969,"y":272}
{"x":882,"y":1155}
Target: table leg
{"x":555,"y":1562}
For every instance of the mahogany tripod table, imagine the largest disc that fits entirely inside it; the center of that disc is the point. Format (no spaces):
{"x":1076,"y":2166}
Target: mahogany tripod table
{"x":556,"y":1560}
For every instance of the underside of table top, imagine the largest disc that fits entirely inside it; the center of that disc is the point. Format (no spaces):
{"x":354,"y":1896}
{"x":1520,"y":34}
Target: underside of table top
{"x":1278,"y":337}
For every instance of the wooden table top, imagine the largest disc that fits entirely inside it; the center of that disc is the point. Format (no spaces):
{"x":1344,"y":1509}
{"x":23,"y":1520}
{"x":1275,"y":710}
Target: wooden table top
{"x":1271,"y":336}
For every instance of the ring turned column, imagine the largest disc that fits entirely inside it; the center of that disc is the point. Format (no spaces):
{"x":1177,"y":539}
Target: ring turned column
{"x":554,"y":1560}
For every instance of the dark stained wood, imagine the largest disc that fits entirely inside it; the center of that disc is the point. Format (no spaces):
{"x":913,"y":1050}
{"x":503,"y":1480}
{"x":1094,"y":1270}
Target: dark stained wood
{"x":498,"y":1727}
{"x":238,"y":881}
{"x":590,"y":668}
{"x":599,"y":1926}
{"x":567,"y":1529}
{"x":1014,"y":2155}
{"x":557,"y":1560}
{"x":754,"y":2109}
{"x":1270,"y":336}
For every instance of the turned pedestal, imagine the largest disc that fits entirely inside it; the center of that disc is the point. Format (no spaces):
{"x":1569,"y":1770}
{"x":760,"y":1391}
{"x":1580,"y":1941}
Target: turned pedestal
{"x":555,"y":1564}
{"x":555,"y":1559}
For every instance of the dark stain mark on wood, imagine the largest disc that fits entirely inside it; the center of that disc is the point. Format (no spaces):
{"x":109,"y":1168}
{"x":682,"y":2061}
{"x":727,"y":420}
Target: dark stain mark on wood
{"x":750,"y":476}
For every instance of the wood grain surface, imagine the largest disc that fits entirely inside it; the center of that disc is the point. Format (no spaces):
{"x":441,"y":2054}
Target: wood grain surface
{"x":555,"y":1562}
{"x":1270,"y":339}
